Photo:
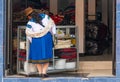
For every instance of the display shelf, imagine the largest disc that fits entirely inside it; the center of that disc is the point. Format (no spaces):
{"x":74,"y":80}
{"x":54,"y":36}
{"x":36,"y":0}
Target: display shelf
{"x":67,"y":36}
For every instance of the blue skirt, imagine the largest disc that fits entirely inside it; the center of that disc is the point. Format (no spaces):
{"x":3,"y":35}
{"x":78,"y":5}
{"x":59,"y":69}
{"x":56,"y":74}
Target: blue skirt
{"x":41,"y":49}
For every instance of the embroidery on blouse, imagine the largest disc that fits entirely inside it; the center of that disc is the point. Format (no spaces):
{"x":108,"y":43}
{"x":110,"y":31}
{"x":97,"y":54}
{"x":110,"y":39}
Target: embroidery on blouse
{"x":42,"y":32}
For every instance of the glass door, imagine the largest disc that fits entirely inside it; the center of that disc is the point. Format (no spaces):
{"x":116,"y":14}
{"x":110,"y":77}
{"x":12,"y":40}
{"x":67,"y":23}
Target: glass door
{"x":13,"y":19}
{"x":113,"y":35}
{"x":8,"y":54}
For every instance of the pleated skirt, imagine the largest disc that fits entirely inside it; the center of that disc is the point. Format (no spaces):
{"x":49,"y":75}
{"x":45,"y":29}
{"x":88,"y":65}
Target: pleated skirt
{"x":41,"y":49}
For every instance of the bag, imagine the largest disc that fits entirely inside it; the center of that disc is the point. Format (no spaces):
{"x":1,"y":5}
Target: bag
{"x":29,"y":67}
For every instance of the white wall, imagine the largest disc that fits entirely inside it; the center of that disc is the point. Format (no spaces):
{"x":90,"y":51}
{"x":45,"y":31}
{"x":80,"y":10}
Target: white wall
{"x":80,"y":23}
{"x":54,"y":6}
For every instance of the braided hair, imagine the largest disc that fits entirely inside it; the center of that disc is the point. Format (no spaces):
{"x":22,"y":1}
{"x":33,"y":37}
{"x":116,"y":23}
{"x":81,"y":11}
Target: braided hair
{"x":37,"y":17}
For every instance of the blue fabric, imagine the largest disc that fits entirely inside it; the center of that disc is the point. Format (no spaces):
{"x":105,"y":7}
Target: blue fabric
{"x":41,"y":48}
{"x":42,"y":15}
{"x":32,"y":20}
{"x":29,"y":26}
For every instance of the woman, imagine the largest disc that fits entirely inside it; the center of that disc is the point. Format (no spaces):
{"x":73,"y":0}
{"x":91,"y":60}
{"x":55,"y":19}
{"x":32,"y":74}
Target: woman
{"x":39,"y":31}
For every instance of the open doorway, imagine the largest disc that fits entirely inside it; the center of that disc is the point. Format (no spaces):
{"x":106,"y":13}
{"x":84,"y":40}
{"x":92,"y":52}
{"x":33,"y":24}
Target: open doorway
{"x":99,"y":38}
{"x":16,"y":19}
{"x":100,"y":53}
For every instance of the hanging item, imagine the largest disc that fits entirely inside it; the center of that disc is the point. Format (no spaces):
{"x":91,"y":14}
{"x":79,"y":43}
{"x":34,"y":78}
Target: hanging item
{"x":96,"y":38}
{"x":29,"y":67}
{"x":67,"y":53}
{"x":22,"y":55}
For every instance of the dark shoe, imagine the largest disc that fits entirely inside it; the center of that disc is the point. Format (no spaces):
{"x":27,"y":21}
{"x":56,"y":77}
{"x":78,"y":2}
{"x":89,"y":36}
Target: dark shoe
{"x":45,"y":75}
{"x":40,"y":75}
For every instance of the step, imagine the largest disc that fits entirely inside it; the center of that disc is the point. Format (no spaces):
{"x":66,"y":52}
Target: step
{"x":94,"y":65}
{"x":97,"y":73}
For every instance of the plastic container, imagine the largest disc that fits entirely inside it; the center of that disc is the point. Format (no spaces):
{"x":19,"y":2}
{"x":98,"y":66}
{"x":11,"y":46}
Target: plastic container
{"x":70,"y":65}
{"x":60,"y":64}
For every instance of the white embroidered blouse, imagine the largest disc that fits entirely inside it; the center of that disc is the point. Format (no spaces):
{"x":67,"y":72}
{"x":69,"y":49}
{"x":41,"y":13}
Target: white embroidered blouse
{"x":36,"y":30}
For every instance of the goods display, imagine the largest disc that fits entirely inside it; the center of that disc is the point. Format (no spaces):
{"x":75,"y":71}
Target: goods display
{"x":64,"y":51}
{"x":96,"y":38}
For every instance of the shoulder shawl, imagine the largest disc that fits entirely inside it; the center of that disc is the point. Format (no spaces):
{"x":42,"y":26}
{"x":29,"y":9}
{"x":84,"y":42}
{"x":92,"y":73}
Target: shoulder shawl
{"x":30,"y":33}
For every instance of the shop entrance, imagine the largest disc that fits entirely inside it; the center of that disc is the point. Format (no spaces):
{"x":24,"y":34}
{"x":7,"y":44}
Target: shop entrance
{"x":99,"y":38}
{"x":98,"y":49}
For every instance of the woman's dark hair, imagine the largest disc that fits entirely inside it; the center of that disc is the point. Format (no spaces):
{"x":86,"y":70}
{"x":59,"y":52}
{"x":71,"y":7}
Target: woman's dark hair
{"x":37,"y":17}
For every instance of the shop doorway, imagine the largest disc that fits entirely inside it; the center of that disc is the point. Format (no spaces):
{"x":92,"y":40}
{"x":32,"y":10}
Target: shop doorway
{"x":99,"y":57}
{"x":94,"y":53}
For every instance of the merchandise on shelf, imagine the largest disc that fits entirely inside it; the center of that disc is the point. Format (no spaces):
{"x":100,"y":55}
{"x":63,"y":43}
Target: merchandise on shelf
{"x":62,"y":56}
{"x":96,"y":38}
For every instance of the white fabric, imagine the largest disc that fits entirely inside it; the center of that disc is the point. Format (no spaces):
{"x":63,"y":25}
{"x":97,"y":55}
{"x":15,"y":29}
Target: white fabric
{"x":38,"y":31}
{"x":29,"y":67}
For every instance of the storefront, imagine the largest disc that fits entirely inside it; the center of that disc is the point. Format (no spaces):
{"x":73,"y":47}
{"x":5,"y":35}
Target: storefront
{"x":85,"y":14}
